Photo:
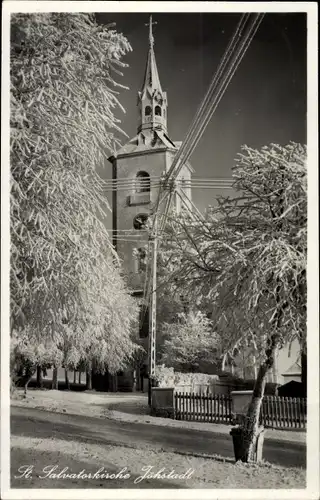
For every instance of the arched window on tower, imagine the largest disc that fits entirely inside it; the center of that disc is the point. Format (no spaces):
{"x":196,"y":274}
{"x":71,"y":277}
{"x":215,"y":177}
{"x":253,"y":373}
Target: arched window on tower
{"x":139,"y":222}
{"x":157,"y":111}
{"x":142,"y":182}
{"x":147,"y":111}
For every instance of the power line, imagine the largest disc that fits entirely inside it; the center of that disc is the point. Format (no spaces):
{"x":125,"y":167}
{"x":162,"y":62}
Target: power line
{"x":178,"y":183}
{"x":213,"y":97}
{"x":158,"y":181}
{"x":215,"y":92}
{"x":208,"y":96}
{"x":120,"y":179}
{"x":223,"y":86}
{"x":231,"y":59}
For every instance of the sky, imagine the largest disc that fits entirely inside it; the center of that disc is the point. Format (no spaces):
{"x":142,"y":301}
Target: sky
{"x":264,"y":103}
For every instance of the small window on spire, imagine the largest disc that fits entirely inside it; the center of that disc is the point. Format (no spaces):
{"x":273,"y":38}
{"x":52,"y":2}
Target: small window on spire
{"x":147,"y":111}
{"x":157,"y":111}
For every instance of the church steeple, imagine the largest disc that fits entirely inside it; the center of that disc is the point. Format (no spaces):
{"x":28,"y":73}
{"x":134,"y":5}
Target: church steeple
{"x":152,"y":101}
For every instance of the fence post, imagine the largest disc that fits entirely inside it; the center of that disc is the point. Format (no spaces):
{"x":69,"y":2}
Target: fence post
{"x":283,"y":413}
{"x":299,"y":413}
{"x":163,"y":402}
{"x":240,"y":403}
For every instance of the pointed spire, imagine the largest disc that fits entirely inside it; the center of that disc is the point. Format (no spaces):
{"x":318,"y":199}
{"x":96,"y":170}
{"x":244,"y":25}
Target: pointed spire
{"x":152,"y":101}
{"x":151,"y":77}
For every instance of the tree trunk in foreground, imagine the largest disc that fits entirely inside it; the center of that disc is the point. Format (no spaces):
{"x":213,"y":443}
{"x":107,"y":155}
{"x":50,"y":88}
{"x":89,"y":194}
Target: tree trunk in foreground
{"x":66,"y":376}
{"x":89,"y":377}
{"x":55,"y":378}
{"x":39,"y":377}
{"x":250,"y":425}
{"x":30,"y":370}
{"x":22,"y":377}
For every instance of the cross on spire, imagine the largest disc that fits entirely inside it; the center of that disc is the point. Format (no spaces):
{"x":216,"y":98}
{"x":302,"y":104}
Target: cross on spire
{"x":151,"y":39}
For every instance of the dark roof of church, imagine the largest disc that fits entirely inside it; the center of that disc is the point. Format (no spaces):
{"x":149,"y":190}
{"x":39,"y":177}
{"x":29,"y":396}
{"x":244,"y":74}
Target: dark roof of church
{"x":149,"y":140}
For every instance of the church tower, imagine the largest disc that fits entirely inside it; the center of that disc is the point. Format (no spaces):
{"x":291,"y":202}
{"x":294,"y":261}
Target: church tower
{"x":137,"y":168}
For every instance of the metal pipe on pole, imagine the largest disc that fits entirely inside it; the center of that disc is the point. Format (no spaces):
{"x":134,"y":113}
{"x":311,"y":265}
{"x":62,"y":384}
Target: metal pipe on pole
{"x":153,"y":311}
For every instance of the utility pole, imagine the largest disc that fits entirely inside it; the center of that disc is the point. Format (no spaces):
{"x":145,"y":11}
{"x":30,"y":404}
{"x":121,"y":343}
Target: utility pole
{"x":232,"y":58}
{"x":153,"y":307}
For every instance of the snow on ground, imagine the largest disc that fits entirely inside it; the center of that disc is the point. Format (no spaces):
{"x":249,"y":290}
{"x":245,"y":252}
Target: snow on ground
{"x":82,"y":455}
{"x":125,"y":407}
{"x":88,"y":457}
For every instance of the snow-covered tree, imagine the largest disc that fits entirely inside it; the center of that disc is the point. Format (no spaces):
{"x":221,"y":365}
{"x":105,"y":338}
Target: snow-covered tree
{"x":249,"y":259}
{"x":66,"y":288}
{"x":189,"y":342}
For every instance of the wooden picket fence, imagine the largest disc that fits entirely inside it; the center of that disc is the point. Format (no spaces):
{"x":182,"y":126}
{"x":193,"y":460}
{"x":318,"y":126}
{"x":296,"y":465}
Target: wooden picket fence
{"x":276,"y":412}
{"x":215,"y":408}
{"x":284,"y":412}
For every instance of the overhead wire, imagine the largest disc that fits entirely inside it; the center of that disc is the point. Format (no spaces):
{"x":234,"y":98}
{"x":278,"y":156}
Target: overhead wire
{"x":224,"y":84}
{"x":230,"y":48}
{"x":197,"y":126}
{"x":158,"y":180}
{"x":181,"y":183}
{"x":235,"y":52}
{"x":189,"y":202}
{"x":216,"y":91}
{"x":202,"y":118}
{"x":214,"y":96}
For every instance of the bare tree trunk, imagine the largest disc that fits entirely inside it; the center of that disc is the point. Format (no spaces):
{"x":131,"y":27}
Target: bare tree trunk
{"x":275,"y":367}
{"x":250,"y":425}
{"x":39,"y":377}
{"x":134,"y":381}
{"x":223,"y":362}
{"x":55,"y":378}
{"x":79,"y":379}
{"x":89,"y":377}
{"x":74,"y":376}
{"x":30,"y":370}
{"x":66,"y":375}
{"x":254,"y":367}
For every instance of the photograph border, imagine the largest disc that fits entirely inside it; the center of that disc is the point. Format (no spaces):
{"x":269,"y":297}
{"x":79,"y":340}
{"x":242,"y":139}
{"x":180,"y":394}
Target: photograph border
{"x":311,"y":9}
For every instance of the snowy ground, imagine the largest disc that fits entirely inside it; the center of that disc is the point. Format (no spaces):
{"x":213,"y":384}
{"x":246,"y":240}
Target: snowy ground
{"x":206,"y":473}
{"x":125,"y":407}
{"x":86,"y":431}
